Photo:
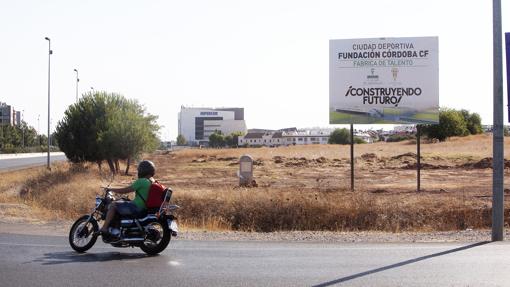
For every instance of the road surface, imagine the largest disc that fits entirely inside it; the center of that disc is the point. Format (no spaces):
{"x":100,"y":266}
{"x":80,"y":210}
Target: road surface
{"x":13,"y":163}
{"x":30,"y":260}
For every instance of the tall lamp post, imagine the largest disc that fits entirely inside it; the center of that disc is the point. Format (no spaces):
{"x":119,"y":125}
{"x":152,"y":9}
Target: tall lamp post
{"x":77,"y":80}
{"x":39,"y":130}
{"x":23,"y":129}
{"x":49,"y":65}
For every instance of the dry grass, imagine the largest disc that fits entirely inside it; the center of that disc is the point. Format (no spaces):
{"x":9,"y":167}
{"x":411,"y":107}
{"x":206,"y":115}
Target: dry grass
{"x":306,"y":189}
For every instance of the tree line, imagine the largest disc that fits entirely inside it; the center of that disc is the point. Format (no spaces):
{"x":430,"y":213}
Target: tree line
{"x":107,"y":127}
{"x":454,"y":123}
{"x":451,"y":123}
{"x":21,"y":138}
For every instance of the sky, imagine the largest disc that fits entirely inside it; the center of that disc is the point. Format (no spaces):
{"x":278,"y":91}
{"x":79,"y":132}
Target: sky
{"x":270,"y":57}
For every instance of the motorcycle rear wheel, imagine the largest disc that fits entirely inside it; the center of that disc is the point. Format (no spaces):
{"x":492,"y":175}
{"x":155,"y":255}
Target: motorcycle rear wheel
{"x":153,"y":248}
{"x":83,"y":234}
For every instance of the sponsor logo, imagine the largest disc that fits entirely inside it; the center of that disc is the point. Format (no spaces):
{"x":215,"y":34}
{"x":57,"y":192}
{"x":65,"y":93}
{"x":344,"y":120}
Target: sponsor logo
{"x":394,"y":73}
{"x":372,"y":77}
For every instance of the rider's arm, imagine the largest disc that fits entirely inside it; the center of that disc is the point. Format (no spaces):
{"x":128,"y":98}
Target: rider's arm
{"x":122,"y":190}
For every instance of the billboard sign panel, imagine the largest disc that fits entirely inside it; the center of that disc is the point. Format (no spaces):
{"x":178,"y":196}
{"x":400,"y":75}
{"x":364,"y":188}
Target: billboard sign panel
{"x":384,"y":81}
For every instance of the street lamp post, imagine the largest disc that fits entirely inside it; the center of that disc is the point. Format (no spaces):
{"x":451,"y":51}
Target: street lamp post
{"x":77,"y":80}
{"x":39,"y":130}
{"x":22,"y":129}
{"x":49,"y":65}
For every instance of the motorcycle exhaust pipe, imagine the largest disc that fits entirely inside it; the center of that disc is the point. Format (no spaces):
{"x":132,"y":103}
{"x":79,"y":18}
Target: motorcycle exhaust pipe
{"x":133,"y":239}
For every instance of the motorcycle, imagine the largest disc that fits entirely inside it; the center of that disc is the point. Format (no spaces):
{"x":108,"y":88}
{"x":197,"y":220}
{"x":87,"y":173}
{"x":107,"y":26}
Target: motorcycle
{"x":151,"y":230}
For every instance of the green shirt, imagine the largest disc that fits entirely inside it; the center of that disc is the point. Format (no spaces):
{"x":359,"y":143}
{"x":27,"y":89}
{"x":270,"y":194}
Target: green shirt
{"x":141,"y":186}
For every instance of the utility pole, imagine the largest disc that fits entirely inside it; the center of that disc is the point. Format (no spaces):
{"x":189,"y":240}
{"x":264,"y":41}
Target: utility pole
{"x":497,"y":128}
{"x":22,"y":129}
{"x":77,"y":80}
{"x":49,"y":65}
{"x":39,"y":130}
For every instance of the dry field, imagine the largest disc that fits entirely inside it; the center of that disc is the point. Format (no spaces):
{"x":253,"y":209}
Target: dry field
{"x":299,"y":187}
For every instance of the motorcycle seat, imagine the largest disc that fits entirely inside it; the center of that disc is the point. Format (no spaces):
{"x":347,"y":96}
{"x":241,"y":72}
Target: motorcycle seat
{"x":139,"y":215}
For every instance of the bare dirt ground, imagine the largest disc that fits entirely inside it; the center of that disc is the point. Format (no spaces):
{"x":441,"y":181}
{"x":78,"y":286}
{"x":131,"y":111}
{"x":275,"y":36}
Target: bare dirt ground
{"x":456,"y":183}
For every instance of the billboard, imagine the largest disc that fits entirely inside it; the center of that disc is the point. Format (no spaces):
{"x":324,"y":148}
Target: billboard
{"x":384,"y":81}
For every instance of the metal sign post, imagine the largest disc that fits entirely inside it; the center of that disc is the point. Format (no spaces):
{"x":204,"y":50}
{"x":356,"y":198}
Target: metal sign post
{"x":418,"y":158}
{"x":507,"y":44}
{"x":352,"y":157}
{"x":497,"y":128}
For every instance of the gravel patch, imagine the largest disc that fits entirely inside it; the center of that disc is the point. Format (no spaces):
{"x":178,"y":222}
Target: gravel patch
{"x":343,"y":237}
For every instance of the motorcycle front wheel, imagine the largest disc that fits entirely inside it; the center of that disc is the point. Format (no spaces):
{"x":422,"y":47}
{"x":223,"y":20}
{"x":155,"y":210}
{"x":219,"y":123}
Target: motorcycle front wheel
{"x":83,"y":234}
{"x":158,"y":237}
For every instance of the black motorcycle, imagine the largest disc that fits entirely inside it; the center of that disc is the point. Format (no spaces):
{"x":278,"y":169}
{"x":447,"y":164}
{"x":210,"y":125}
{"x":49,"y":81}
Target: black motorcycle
{"x":150,"y":230}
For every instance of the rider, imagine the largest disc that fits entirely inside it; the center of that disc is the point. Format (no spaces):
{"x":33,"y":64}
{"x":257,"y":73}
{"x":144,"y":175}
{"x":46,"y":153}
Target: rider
{"x":141,"y":186}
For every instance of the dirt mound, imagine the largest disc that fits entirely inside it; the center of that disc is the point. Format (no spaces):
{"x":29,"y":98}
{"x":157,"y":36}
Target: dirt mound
{"x":230,"y":158}
{"x":404,"y":155}
{"x":204,"y":158}
{"x":425,"y":166}
{"x":297,"y":162}
{"x":483,"y":164}
{"x":369,"y":157}
{"x":304,"y":162}
{"x":300,"y":161}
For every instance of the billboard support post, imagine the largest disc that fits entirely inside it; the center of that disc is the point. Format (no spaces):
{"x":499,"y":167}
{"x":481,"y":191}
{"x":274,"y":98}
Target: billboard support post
{"x":352,"y":157}
{"x":497,"y":128}
{"x":507,"y":49}
{"x":418,"y":158}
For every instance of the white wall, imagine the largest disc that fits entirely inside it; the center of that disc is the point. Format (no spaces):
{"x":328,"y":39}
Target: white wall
{"x":226,"y":127}
{"x":187,"y":120}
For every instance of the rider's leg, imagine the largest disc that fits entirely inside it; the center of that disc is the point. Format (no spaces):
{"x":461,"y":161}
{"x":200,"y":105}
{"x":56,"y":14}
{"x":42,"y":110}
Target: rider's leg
{"x":109,"y":217}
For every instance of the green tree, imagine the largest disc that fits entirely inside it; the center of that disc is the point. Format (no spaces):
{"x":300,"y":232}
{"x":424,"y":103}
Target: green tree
{"x":216,"y":139}
{"x":106,"y":127}
{"x":340,"y":136}
{"x":474,"y":124}
{"x":451,"y":123}
{"x":17,"y":138}
{"x":181,"y":140}
{"x":358,"y":140}
{"x":235,"y":138}
{"x":229,"y":140}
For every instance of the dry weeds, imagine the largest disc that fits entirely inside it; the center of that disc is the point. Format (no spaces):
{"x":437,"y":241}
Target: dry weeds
{"x":299,"y":187}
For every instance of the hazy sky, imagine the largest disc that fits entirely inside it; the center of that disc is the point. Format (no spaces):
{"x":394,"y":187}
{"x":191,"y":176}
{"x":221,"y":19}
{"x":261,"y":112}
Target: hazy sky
{"x":270,"y":57}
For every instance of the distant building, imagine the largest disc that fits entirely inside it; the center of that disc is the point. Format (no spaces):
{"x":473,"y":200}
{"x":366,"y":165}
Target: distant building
{"x":197,"y":124}
{"x":9,"y":116}
{"x":284,"y":137}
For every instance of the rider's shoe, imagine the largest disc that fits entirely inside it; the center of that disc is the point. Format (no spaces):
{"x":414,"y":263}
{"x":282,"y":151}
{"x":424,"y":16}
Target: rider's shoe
{"x":106,"y":236}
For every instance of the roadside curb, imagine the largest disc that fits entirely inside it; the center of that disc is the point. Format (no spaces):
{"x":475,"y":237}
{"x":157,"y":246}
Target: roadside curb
{"x":28,"y":155}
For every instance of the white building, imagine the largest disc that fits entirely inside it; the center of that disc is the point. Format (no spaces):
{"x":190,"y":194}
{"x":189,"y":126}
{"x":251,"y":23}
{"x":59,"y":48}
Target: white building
{"x":285,"y":138}
{"x":197,"y":124}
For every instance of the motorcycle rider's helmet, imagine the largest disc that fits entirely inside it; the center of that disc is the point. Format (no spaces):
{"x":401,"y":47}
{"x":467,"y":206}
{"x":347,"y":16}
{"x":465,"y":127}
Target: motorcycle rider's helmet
{"x":145,"y":168}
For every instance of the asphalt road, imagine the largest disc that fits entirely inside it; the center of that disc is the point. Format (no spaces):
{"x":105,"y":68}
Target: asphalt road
{"x":19,"y":163}
{"x":27,"y":260}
